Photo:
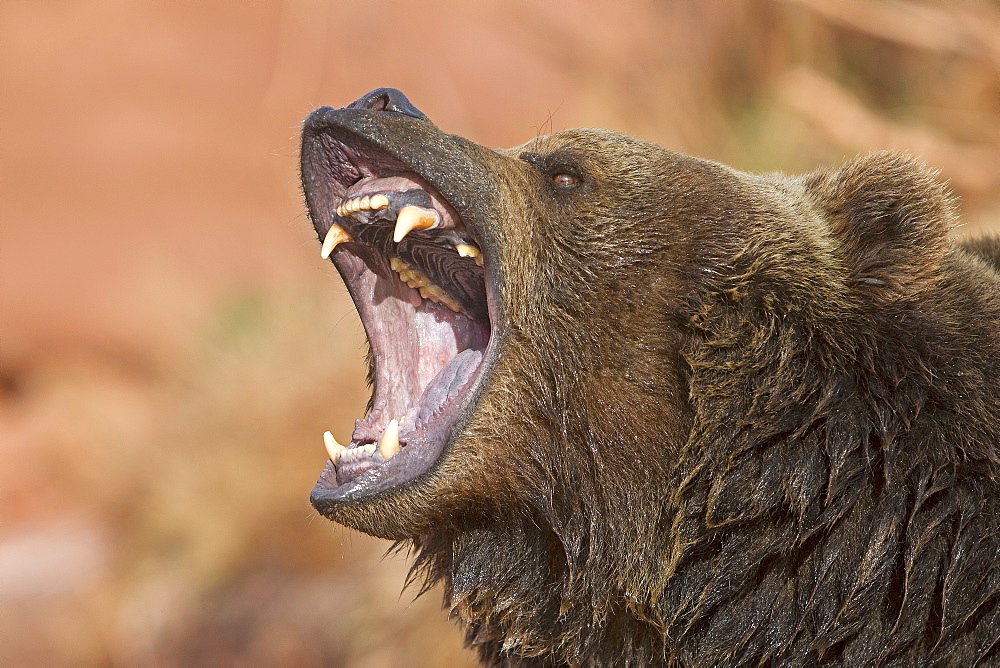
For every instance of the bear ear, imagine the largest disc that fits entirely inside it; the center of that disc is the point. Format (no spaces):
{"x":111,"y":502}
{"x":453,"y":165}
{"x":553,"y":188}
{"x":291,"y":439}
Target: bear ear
{"x":891,"y":216}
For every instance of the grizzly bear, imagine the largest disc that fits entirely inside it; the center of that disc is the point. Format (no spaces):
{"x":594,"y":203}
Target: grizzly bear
{"x":636,"y":408}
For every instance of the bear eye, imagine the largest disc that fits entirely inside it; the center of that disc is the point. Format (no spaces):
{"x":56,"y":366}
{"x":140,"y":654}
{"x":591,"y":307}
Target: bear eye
{"x":563,"y":173}
{"x":565,"y":180}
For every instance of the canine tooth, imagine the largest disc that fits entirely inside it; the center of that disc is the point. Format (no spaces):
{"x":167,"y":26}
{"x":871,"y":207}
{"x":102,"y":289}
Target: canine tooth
{"x":334,"y":449}
{"x":378,"y":202}
{"x":331,"y":442}
{"x":334,"y":236}
{"x":388,"y":445}
{"x":412,"y":217}
{"x":467,"y":250}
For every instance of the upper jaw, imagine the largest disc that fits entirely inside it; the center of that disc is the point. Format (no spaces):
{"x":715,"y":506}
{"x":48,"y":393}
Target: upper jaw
{"x":443,"y":160}
{"x":351,"y":154}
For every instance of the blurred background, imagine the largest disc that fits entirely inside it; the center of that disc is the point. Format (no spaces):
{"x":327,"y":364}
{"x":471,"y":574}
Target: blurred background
{"x":172,"y":347}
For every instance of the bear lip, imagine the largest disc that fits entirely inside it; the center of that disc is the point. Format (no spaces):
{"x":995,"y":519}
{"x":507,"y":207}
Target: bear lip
{"x":429,"y":354}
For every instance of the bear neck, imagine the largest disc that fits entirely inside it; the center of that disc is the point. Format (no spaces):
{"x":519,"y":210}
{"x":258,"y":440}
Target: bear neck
{"x":751,"y":550}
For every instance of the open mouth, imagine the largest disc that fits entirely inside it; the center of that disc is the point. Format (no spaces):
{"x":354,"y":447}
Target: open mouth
{"x":416,"y":274}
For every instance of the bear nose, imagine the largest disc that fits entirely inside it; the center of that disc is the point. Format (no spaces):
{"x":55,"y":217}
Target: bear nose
{"x":387,"y":99}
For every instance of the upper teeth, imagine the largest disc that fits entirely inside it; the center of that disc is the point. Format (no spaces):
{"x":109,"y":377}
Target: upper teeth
{"x":366,"y":203}
{"x":412,"y":217}
{"x":468,"y":250}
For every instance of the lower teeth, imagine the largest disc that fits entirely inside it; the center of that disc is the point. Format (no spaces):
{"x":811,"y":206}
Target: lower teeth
{"x":415,"y":279}
{"x":446,"y":385}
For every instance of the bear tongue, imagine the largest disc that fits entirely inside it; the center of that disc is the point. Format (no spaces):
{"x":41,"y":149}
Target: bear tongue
{"x":434,"y":400}
{"x":444,"y":387}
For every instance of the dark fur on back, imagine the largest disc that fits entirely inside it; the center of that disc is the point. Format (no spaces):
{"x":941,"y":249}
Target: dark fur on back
{"x":836,"y":499}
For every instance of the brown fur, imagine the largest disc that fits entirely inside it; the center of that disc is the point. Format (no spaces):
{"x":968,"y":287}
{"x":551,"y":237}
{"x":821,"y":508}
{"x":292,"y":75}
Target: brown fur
{"x":735,"y":420}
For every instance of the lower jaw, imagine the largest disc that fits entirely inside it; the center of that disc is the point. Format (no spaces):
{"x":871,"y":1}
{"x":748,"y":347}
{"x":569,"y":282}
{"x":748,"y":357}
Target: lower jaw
{"x":424,"y":448}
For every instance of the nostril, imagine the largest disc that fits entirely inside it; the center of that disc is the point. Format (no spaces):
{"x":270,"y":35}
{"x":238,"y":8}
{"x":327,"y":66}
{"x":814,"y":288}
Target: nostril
{"x":388,"y":99}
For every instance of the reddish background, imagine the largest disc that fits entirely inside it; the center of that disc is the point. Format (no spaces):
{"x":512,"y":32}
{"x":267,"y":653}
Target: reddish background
{"x":172,"y":347}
